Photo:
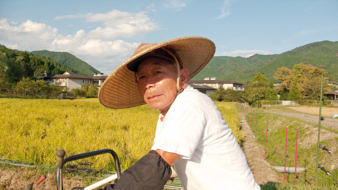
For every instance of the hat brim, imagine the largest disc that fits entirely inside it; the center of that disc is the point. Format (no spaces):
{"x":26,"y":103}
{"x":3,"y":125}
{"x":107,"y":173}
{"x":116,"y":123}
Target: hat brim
{"x":120,"y":89}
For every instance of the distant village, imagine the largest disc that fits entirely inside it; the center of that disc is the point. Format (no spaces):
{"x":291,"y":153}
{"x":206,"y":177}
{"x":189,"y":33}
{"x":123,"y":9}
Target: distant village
{"x":70,"y":81}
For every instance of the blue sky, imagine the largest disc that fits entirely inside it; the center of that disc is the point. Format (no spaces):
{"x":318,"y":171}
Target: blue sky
{"x":104,"y":33}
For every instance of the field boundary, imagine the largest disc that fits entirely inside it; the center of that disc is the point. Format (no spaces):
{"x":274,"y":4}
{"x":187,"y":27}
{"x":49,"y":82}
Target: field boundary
{"x":261,"y":169}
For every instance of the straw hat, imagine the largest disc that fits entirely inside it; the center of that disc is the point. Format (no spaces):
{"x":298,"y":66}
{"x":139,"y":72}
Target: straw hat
{"x":120,"y":89}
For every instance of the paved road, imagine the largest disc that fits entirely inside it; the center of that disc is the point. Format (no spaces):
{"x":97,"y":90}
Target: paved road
{"x":327,"y":122}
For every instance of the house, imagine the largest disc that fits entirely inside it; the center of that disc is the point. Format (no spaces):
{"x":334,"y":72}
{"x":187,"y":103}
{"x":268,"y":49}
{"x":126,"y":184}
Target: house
{"x":203,"y":88}
{"x":209,"y":85}
{"x":332,"y":95}
{"x":70,"y":80}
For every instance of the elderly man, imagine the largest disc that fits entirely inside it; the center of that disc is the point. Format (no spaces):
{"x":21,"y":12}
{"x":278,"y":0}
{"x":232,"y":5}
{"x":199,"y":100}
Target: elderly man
{"x":191,"y":134}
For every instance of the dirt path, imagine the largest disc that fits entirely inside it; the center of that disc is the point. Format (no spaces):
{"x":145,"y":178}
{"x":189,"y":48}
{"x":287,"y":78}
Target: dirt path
{"x":313,"y":119}
{"x":19,"y":178}
{"x":254,"y":152}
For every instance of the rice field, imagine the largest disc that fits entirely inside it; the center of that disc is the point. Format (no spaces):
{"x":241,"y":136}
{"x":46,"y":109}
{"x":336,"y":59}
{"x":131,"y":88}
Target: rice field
{"x":326,"y":111}
{"x":32,"y":130}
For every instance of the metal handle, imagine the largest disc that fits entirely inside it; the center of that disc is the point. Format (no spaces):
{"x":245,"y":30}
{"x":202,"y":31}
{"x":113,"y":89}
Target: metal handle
{"x":62,"y":161}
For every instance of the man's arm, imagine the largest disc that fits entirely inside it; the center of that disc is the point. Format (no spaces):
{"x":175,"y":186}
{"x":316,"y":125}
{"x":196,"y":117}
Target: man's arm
{"x":152,"y":171}
{"x":169,"y":157}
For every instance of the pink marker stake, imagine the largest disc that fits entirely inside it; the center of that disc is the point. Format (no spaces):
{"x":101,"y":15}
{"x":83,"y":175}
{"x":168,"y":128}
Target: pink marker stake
{"x":296,"y":156}
{"x":266,"y":136}
{"x":286,"y":147}
{"x":251,"y":118}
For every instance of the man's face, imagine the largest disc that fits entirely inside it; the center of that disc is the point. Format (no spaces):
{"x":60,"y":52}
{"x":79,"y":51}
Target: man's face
{"x":156,"y":80}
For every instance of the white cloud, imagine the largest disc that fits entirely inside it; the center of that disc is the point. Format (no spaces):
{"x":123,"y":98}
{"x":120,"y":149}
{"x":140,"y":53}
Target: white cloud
{"x":106,"y":48}
{"x":175,"y":4}
{"x":116,"y":24}
{"x":74,"y":16}
{"x":244,"y":53}
{"x":27,"y":35}
{"x":101,"y":47}
{"x":225,"y":9}
{"x":151,"y":7}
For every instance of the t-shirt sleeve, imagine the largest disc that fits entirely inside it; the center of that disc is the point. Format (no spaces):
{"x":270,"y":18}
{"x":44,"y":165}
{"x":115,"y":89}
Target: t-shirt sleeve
{"x":182,"y":130}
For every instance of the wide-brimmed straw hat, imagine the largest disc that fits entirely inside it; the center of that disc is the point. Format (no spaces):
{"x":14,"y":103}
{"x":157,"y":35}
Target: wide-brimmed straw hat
{"x":120,"y":89}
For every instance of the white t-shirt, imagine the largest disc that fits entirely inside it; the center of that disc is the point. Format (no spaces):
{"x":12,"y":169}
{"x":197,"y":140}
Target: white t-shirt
{"x":210,"y":157}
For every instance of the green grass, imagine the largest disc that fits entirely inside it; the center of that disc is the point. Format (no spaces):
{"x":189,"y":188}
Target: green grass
{"x":307,"y":139}
{"x":272,"y":186}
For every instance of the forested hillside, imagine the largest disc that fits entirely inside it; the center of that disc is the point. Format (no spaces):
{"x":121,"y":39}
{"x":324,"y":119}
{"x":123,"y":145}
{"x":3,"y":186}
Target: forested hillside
{"x":15,"y":65}
{"x":69,"y":60}
{"x":322,"y":54}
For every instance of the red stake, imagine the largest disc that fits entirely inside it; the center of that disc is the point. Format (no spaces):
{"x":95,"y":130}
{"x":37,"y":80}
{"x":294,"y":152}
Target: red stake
{"x":266,"y":136}
{"x":40,"y":179}
{"x":296,"y":156}
{"x":286,"y":148}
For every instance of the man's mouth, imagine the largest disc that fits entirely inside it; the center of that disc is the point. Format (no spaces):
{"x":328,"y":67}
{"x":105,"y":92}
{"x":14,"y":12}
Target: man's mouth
{"x":153,"y":97}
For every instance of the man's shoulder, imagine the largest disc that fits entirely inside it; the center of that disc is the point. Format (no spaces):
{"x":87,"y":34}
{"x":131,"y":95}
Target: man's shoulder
{"x":191,"y":100}
{"x":193,"y":96}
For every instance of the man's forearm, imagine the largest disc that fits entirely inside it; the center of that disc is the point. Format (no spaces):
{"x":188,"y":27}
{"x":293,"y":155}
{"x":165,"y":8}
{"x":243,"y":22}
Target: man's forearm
{"x":150,"y":172}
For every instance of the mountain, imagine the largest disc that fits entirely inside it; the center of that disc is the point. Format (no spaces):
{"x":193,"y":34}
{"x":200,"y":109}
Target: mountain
{"x":323,"y":54}
{"x":69,"y":60}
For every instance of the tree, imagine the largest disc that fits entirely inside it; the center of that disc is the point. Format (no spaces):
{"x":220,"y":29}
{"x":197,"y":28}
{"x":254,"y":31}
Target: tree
{"x":24,"y":87}
{"x":294,"y":93}
{"x":218,"y":94}
{"x":260,"y":89}
{"x":302,"y":82}
{"x":283,"y":75}
{"x":38,"y":88}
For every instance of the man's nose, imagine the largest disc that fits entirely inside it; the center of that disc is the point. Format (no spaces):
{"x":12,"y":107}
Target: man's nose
{"x":150,"y":83}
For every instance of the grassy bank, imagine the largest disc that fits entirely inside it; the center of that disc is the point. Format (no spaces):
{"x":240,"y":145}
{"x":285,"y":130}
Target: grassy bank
{"x":34,"y":129}
{"x":307,"y":139}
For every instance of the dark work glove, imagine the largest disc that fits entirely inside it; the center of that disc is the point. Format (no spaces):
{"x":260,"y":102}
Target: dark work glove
{"x":151,"y":172}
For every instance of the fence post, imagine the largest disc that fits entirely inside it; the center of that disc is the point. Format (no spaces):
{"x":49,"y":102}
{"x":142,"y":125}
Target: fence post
{"x":286,"y":147}
{"x":296,"y":156}
{"x":266,"y":136}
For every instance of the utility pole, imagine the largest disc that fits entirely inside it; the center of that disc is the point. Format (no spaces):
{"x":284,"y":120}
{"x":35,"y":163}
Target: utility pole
{"x":320,"y":118}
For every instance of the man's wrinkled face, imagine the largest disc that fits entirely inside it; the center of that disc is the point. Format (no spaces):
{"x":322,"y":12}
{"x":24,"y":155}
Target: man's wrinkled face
{"x":156,"y":80}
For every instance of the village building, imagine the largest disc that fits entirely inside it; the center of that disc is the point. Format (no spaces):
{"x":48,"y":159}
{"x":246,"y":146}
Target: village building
{"x":332,"y":95}
{"x":210,"y":84}
{"x":70,"y":80}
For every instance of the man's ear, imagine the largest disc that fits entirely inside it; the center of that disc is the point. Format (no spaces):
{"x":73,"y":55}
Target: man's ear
{"x":184,"y":78}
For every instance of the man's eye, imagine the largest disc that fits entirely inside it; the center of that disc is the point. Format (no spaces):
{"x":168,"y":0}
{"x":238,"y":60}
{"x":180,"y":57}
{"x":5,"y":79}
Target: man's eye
{"x":157,"y":72}
{"x":141,"y":77}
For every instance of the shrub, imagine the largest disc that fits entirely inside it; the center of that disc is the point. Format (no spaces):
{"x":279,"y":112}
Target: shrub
{"x":227,"y":95}
{"x":38,"y":88}
{"x":87,"y":90}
